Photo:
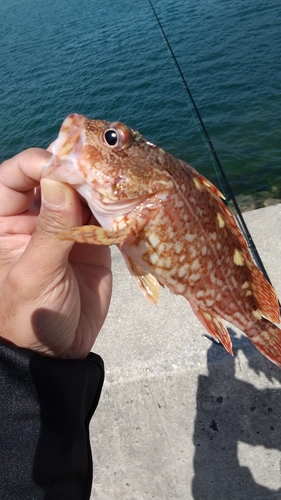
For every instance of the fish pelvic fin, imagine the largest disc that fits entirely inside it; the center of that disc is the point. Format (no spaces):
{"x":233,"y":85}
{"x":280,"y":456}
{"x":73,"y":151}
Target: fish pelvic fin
{"x":148,"y":284}
{"x":267,"y":338}
{"x":214,"y":326}
{"x":95,"y":235}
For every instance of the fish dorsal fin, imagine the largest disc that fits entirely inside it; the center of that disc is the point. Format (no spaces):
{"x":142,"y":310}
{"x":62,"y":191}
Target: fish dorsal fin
{"x":264,"y":294}
{"x":214,"y":326}
{"x":148,"y":284}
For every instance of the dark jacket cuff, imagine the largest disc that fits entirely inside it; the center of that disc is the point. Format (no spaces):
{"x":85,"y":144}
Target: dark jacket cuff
{"x":45,"y":408}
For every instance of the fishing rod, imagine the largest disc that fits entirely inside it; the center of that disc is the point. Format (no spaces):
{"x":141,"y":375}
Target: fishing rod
{"x":228,"y":190}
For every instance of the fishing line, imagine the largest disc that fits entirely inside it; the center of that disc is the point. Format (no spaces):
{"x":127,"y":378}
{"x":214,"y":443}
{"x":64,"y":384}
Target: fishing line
{"x":65,"y":78}
{"x":227,"y":188}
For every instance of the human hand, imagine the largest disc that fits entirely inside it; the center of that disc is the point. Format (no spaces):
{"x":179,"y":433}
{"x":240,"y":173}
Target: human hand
{"x":54,"y":295}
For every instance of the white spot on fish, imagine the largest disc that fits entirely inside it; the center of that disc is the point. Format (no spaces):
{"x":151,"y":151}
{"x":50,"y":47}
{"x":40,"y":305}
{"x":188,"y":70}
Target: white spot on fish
{"x":183,"y":270}
{"x":178,"y":247}
{"x":215,"y":280}
{"x":210,"y":266}
{"x":154,"y":258}
{"x":238,"y":258}
{"x":192,"y":252}
{"x":197,"y":183}
{"x":213,"y":236}
{"x":195,"y":277}
{"x":164,"y":247}
{"x":195,"y":265}
{"x":190,"y":237}
{"x":220,"y":220}
{"x":119,"y":223}
{"x":154,"y":240}
{"x":204,"y":250}
{"x":233,"y":281}
{"x":180,"y":287}
{"x":257,"y":313}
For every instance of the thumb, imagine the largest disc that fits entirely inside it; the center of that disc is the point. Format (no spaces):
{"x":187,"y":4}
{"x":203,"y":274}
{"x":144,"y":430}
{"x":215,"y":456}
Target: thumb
{"x":60,"y":211}
{"x":60,"y":207}
{"x":46,"y":255}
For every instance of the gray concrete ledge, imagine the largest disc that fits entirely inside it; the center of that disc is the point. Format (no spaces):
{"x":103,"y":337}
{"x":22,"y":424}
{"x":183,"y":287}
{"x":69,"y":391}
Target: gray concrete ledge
{"x":179,"y":418}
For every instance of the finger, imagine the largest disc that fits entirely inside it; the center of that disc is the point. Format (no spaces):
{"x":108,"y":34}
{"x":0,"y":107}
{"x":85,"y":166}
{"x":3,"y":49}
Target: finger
{"x":18,"y":178}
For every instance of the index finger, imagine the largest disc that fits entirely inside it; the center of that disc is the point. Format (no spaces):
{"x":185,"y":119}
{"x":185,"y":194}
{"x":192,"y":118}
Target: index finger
{"x":18,"y":178}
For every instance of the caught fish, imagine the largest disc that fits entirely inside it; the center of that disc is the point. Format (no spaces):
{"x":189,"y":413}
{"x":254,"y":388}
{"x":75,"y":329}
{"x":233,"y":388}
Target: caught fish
{"x":171,"y":225}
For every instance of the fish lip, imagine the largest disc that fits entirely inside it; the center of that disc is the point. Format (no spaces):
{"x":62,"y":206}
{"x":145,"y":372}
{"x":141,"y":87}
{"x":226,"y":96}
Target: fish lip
{"x":50,"y":166}
{"x":70,"y":138}
{"x":56,"y":169}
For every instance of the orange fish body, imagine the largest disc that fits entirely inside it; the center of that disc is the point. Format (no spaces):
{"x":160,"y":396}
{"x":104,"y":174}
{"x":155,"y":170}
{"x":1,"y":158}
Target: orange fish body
{"x":171,"y":226}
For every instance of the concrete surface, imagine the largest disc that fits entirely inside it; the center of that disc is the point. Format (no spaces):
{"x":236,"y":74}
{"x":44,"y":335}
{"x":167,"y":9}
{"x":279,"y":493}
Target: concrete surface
{"x":179,"y":418}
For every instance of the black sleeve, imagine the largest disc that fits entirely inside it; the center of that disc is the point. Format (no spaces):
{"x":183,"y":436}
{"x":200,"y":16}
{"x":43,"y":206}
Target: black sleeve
{"x":45,"y":408}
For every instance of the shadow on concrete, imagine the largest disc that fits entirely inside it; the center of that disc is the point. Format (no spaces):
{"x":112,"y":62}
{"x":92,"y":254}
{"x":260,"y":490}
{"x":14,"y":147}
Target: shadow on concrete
{"x":232,"y":411}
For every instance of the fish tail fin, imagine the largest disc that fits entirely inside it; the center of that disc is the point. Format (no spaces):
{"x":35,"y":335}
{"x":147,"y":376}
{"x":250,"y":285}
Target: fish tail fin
{"x":267,"y":338}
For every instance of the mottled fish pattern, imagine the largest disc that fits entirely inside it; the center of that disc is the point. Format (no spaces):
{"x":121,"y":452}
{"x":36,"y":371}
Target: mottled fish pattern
{"x":171,"y":225}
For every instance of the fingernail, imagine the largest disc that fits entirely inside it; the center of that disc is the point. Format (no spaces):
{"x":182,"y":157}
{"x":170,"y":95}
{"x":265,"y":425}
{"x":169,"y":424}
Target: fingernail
{"x":52,"y":193}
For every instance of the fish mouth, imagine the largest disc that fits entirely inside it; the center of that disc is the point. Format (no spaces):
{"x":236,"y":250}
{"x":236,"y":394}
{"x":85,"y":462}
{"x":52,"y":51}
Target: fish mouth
{"x":104,"y":206}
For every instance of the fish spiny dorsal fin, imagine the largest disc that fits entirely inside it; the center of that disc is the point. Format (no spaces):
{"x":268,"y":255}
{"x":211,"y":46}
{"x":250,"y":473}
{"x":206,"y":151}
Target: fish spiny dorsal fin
{"x":232,"y":226}
{"x":211,"y":187}
{"x":224,"y":216}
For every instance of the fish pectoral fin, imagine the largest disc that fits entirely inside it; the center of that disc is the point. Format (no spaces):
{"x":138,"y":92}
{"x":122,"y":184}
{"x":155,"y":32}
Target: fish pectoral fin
{"x":95,"y":235}
{"x":214,"y":326}
{"x":148,"y":284}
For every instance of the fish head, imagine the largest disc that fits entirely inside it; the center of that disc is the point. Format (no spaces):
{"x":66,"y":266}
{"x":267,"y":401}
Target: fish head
{"x":112,"y":166}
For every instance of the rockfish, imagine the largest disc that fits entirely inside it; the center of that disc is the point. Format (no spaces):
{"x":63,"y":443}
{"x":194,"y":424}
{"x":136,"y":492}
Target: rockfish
{"x":171,"y":225}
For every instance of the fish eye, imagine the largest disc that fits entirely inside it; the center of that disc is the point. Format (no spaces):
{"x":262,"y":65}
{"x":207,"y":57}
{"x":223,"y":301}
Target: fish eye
{"x":117,"y":135}
{"x":110,"y":137}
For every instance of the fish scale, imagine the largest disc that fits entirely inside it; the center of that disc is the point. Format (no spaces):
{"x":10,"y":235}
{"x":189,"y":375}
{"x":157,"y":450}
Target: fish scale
{"x":171,"y":225}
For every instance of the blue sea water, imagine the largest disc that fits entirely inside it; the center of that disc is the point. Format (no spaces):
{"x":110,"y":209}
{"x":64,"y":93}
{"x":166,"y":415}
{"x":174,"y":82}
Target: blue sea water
{"x":108,"y":60}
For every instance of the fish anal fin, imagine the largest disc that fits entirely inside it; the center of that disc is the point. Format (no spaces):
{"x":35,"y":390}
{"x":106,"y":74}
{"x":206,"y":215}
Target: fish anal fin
{"x":148,"y":284}
{"x":214,"y":326}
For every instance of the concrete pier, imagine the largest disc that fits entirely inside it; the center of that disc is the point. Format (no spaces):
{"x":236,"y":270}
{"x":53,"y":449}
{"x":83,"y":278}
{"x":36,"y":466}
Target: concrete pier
{"x":179,"y":418}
